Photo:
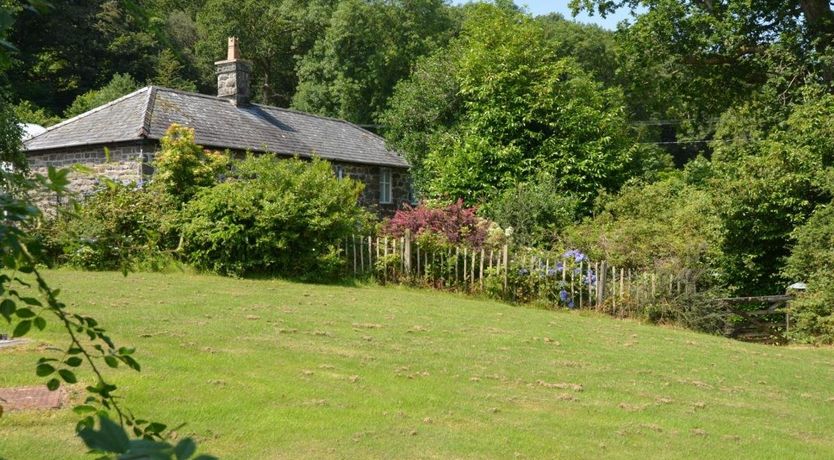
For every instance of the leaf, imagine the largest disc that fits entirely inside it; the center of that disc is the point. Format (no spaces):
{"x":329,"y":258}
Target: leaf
{"x":68,"y":376}
{"x":73,"y":361}
{"x":7,"y":308}
{"x":111,"y":361}
{"x":44,"y":369}
{"x":22,"y":328}
{"x":31,"y":301}
{"x":131,"y":363}
{"x":185,"y":449}
{"x":24,"y":313}
{"x":40,"y":323}
{"x":109,"y":438}
{"x":82,"y":409}
{"x":126,"y":351}
{"x":155,"y":428}
{"x":53,"y":384}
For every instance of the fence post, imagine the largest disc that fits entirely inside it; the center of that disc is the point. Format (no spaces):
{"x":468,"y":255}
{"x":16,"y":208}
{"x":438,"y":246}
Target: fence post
{"x":481,"y":274}
{"x":506,"y":266}
{"x":407,"y":248}
{"x":465,"y":270}
{"x":354,"y":255}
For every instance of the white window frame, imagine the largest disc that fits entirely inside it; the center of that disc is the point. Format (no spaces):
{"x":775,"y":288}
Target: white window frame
{"x":340,"y":172}
{"x":385,"y":188}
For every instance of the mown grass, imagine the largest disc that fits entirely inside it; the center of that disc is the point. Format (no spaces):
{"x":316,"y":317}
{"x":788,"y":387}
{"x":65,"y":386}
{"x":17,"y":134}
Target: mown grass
{"x":271,"y":369}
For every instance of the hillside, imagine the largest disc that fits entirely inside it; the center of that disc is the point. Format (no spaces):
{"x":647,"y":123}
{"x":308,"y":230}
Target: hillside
{"x":273,"y":369}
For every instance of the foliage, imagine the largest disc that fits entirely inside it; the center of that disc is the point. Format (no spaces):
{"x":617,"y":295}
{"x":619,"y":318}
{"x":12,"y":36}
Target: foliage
{"x":689,"y":61}
{"x":120,"y":85}
{"x":368,"y":47}
{"x":75,"y":47}
{"x":119,"y":227}
{"x":169,"y":72}
{"x":421,"y":110}
{"x":10,"y":145}
{"x":26,"y":308}
{"x":112,"y":438}
{"x":669,"y":225}
{"x":535,"y":210}
{"x":274,"y":35}
{"x":524,"y":110}
{"x":769,"y":186}
{"x":182,"y":167}
{"x":811,"y":259}
{"x":454,"y":224}
{"x":27,"y":112}
{"x":275,"y":216}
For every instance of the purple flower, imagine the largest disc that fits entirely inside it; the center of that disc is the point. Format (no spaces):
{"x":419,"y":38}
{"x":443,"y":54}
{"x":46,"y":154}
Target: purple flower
{"x":523,"y":272}
{"x":571,"y":304}
{"x":563,"y":294}
{"x":575,"y":254}
{"x":551,"y":272}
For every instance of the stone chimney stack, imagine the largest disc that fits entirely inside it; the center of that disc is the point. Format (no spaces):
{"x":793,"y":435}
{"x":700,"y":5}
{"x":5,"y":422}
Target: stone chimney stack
{"x":233,"y":76}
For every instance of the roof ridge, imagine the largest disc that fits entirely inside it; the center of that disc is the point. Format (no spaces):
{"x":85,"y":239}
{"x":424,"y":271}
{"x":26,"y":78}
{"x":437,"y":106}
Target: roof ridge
{"x":145,"y":129}
{"x":89,"y":112}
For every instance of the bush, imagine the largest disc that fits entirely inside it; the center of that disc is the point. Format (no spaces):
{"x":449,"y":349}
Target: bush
{"x":183,"y":167}
{"x":812,"y":260}
{"x":536,"y":211}
{"x":455,"y":223}
{"x":670,"y":225}
{"x":117,"y":228}
{"x":273,"y":216}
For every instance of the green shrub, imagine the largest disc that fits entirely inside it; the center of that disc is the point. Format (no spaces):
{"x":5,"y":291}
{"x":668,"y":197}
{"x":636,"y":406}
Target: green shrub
{"x":812,"y":261}
{"x":273,"y":216}
{"x":119,"y":227}
{"x":182,"y":167}
{"x":670,"y":225}
{"x":536,"y":211}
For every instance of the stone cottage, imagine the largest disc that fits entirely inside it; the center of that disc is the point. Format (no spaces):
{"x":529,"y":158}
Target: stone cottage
{"x":120,"y":139}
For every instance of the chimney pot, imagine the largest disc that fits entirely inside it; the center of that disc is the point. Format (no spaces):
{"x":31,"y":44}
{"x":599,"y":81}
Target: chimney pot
{"x":234,"y":50}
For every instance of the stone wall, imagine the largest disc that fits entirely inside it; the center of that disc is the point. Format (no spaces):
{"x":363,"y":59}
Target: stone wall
{"x":123,"y":165}
{"x":369,"y":175}
{"x":128,"y":163}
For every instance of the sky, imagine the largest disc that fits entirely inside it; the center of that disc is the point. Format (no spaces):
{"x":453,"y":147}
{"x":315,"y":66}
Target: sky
{"x":561,"y":6}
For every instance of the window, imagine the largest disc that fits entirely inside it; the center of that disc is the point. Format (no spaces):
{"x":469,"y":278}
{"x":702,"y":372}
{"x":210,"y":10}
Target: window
{"x":340,"y":172}
{"x":385,"y":186}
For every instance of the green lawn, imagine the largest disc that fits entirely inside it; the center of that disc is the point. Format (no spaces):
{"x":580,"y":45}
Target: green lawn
{"x":273,"y":369}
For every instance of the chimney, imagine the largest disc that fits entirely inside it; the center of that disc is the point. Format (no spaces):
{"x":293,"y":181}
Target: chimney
{"x":233,"y":76}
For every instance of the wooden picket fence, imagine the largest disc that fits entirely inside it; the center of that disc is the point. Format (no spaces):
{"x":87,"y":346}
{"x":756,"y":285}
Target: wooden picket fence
{"x":585,"y":283}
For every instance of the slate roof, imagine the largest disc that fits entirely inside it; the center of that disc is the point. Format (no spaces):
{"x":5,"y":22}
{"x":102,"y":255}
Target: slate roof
{"x":219,"y":124}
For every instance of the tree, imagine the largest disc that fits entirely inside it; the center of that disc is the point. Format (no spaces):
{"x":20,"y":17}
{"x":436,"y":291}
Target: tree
{"x":169,"y":72}
{"x":690,"y":60}
{"x":522,"y":110}
{"x":73,"y":47}
{"x":120,"y":85}
{"x":369,"y":46}
{"x":274,"y":35}
{"x":768,"y":186}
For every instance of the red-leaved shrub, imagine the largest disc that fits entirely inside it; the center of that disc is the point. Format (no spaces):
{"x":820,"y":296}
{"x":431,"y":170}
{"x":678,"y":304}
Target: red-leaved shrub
{"x":455,"y":222}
